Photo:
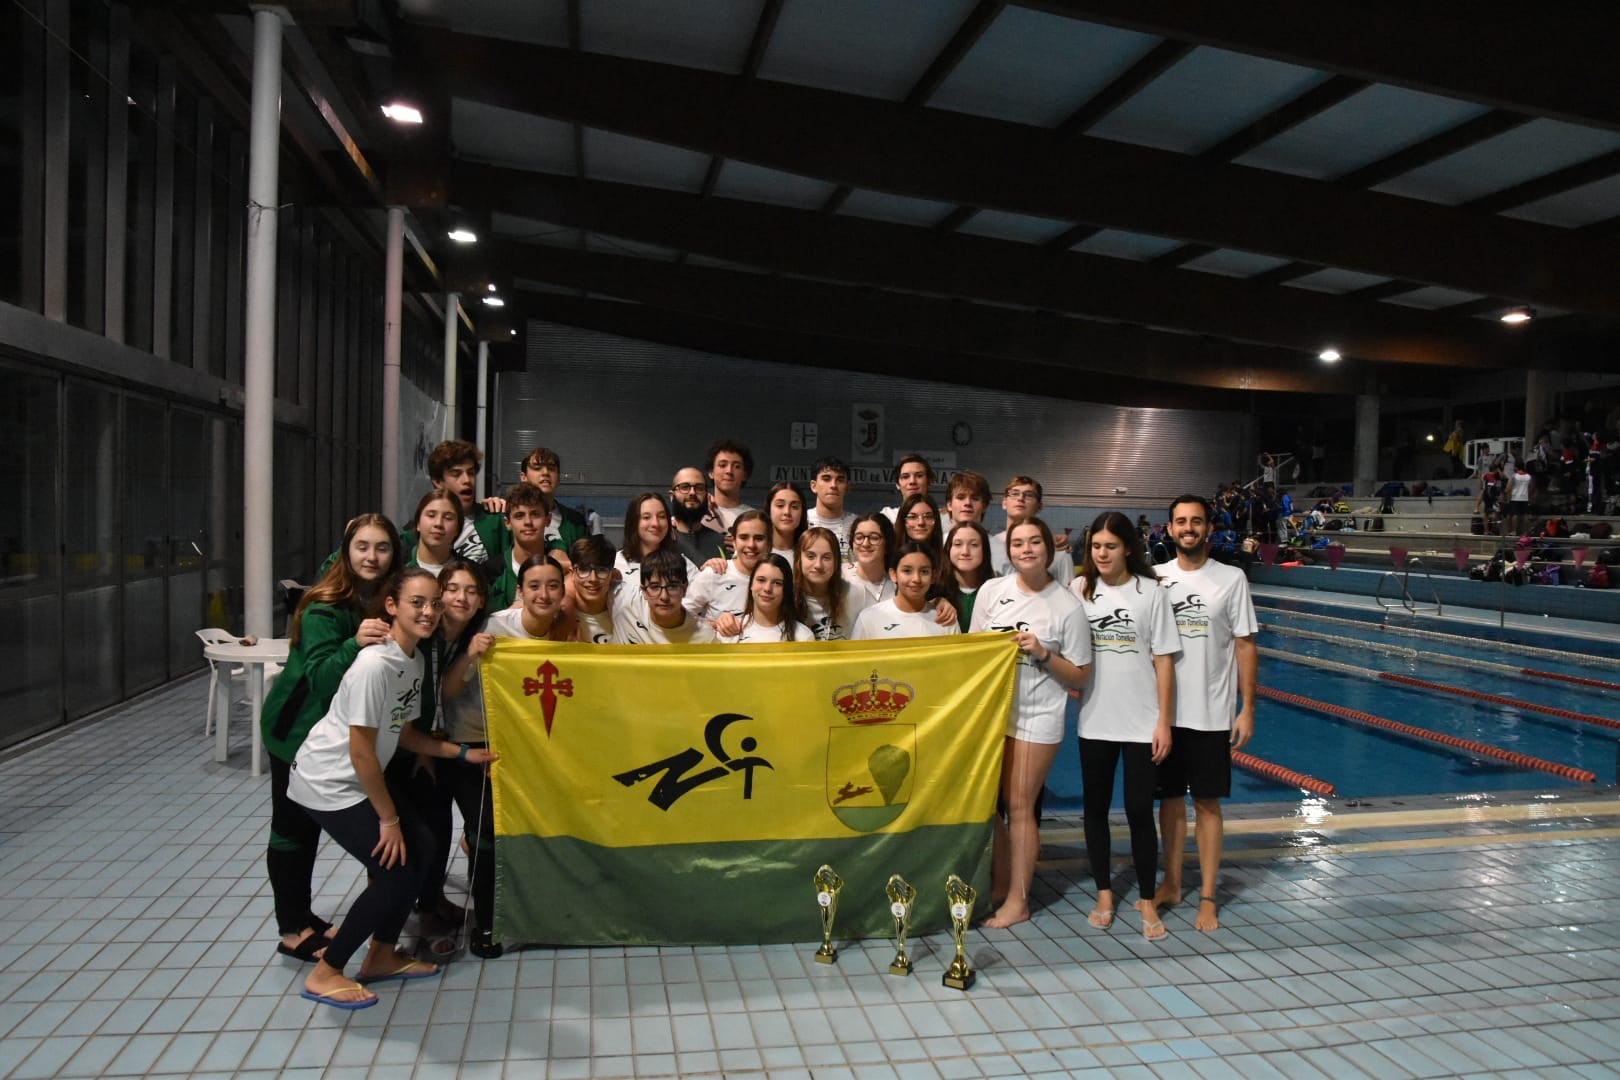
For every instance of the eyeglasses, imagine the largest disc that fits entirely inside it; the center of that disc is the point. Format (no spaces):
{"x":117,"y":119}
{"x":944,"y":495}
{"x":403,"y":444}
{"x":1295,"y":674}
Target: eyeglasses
{"x":420,"y":602}
{"x":922,"y":518}
{"x":593,"y":571}
{"x":685,"y":488}
{"x":868,"y":538}
{"x":1021,"y":495}
{"x":663,"y":588}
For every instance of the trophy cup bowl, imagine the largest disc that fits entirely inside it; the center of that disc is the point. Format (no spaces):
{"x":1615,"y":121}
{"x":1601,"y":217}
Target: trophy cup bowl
{"x":902,"y":897}
{"x":827,"y":885}
{"x":959,"y":895}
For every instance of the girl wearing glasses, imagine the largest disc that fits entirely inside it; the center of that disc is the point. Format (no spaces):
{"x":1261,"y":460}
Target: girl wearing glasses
{"x":919,"y":522}
{"x":338,"y":780}
{"x":327,"y":632}
{"x":871,"y":539}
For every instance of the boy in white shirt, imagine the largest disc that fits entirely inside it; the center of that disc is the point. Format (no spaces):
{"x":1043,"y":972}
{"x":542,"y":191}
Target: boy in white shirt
{"x":913,"y":476}
{"x":1022,"y":501}
{"x":661,"y":620}
{"x":829,"y":483}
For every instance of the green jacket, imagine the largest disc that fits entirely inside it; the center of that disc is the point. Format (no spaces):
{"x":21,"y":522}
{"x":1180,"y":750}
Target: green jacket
{"x":304,"y":689}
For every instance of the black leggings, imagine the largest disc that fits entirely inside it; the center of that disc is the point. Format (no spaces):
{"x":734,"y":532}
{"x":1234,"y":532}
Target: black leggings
{"x":468,"y":787}
{"x":381,"y":910}
{"x":1098,"y":758}
{"x":294,"y":841}
{"x":428,"y":795}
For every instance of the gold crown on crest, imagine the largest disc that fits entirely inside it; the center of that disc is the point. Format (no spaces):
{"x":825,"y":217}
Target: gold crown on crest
{"x":875,"y":701}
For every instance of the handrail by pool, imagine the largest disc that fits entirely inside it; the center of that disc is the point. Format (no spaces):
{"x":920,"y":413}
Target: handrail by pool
{"x":1408,"y":601}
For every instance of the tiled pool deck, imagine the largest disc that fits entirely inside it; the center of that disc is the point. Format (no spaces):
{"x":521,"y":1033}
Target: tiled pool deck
{"x":1423,"y":939}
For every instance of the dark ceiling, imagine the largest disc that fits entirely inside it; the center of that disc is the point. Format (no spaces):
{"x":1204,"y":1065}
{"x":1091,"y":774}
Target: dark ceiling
{"x":1097,"y":200}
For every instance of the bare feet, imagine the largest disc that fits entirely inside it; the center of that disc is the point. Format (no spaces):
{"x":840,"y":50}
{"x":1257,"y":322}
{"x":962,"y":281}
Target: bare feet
{"x":1152,"y":926}
{"x":1168,"y":896}
{"x":1207,"y":919}
{"x":1010,"y":913}
{"x":328,"y":982}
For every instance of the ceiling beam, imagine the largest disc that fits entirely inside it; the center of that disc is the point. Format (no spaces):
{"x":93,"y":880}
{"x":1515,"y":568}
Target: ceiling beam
{"x":1537,"y":188}
{"x":1560,"y":65}
{"x":856,"y":250}
{"x":1077,"y":347}
{"x":861,"y":142}
{"x":955,"y":366}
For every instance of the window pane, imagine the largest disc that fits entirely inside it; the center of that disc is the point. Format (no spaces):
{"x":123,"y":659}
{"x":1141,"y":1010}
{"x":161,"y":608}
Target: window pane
{"x":31,"y":680}
{"x":91,"y":539}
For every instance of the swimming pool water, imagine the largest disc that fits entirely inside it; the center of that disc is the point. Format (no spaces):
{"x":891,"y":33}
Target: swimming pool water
{"x":1367,"y":763}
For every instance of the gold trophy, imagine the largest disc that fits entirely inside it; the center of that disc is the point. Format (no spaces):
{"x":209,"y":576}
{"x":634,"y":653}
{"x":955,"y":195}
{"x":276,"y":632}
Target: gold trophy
{"x":901,"y":898}
{"x":959,"y":895}
{"x":827,"y":885}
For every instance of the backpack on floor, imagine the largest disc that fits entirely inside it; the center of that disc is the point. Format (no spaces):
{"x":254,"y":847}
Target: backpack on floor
{"x":1597,"y":577}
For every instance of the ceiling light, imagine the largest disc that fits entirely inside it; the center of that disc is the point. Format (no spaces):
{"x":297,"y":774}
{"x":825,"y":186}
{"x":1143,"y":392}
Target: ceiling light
{"x":491,"y":288}
{"x":401,"y":113}
{"x":463,"y":236}
{"x":494,"y":301}
{"x":1429,"y":437}
{"x":514,"y":333}
{"x":1329,"y":356}
{"x":1515,"y":316}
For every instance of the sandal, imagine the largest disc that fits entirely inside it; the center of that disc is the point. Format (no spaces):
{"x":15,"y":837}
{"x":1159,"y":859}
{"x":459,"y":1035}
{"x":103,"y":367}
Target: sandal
{"x":1102,"y":920}
{"x":347,"y":1006}
{"x":1153,"y":930}
{"x":306,"y":951}
{"x":484,"y":946}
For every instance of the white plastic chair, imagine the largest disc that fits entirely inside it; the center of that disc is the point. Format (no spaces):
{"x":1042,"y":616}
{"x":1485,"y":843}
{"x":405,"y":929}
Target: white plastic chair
{"x":213,"y":635}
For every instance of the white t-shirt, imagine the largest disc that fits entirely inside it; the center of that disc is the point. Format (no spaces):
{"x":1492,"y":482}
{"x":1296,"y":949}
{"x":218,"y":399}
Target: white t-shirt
{"x":631,"y":571}
{"x":1520,"y":489}
{"x":634,"y":626}
{"x":1211,"y":606}
{"x":886,"y":620}
{"x":893,"y":514}
{"x":836,"y":627}
{"x":433,"y":568}
{"x":871,"y":592}
{"x":721,"y":517}
{"x":754,"y":633}
{"x":1055,"y":616}
{"x":383,"y":690}
{"x":840,"y":527}
{"x":784,"y":553}
{"x":1130,"y":625}
{"x":711,"y":594}
{"x":509,"y":623}
{"x":1062,"y":568}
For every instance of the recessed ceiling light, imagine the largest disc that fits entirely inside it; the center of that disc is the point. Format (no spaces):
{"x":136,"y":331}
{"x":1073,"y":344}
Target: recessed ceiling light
{"x":492,"y":287}
{"x":401,"y":113}
{"x":463,"y":236}
{"x":1429,"y":437}
{"x":514,"y":333}
{"x":1515,"y":316}
{"x":494,"y":301}
{"x":1329,"y":356}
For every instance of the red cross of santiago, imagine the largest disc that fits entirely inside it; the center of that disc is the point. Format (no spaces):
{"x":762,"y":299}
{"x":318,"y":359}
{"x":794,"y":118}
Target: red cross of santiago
{"x":548,"y":687}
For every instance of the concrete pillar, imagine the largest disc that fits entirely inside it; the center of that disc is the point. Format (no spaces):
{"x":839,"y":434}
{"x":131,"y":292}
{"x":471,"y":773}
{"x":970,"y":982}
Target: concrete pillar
{"x":1538,"y":404}
{"x":483,"y":411}
{"x":393,"y":274}
{"x":259,"y":365}
{"x":452,"y":302}
{"x":1366,"y":474}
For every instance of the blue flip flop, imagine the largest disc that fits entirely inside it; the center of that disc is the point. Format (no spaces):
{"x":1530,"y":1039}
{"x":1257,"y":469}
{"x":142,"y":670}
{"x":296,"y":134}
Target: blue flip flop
{"x":411,"y":969}
{"x":347,"y":1006}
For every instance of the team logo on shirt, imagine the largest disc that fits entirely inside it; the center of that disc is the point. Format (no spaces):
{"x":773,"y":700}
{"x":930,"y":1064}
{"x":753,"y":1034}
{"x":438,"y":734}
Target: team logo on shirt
{"x":1113,"y":632}
{"x":1192,"y":616}
{"x":677,"y":777}
{"x":550,"y":688}
{"x":870,"y":759}
{"x":398,"y":715}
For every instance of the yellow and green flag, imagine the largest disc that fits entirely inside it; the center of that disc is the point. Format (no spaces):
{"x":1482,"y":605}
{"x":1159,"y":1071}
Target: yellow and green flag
{"x":686,"y":794}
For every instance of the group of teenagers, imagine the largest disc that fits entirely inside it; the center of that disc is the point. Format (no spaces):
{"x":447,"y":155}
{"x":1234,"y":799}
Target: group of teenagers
{"x":385,"y":652}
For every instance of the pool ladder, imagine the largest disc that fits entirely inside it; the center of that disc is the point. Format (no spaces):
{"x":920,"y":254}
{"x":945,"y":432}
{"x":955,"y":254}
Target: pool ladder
{"x":1407,"y":600}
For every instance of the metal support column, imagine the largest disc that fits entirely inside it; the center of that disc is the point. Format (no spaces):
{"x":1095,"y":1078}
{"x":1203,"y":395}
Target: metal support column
{"x":452,"y":307}
{"x":392,"y":275}
{"x":483,"y":411}
{"x":259,"y":368}
{"x":1366,"y":474}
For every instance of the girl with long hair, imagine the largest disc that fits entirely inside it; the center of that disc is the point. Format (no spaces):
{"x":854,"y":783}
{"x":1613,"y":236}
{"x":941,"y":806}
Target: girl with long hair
{"x":437,"y":523}
{"x":327,"y":632}
{"x":785,"y":508}
{"x":871,"y":540}
{"x":1054,"y":657}
{"x":823,"y":600}
{"x":918,"y":521}
{"x":1127,"y":710}
{"x":339,"y":782}
{"x":768,"y":611}
{"x":967,"y":566}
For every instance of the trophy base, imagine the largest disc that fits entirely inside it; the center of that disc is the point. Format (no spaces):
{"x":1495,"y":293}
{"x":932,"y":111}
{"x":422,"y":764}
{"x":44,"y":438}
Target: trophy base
{"x":959,"y":980}
{"x":825,"y":955}
{"x":901,"y":966}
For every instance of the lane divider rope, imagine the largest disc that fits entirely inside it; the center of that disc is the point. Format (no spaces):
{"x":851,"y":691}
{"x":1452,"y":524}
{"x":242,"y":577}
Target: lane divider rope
{"x":1587,"y":659}
{"x":1441,"y":688}
{"x":1282,"y":774}
{"x":1511,"y":757}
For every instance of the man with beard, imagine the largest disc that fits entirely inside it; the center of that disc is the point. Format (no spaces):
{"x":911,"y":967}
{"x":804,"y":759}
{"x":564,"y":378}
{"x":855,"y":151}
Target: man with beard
{"x":1218,"y":662}
{"x":688,"y":506}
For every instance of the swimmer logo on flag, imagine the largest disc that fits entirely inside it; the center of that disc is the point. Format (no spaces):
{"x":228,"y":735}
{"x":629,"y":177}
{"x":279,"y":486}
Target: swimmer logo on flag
{"x":872,"y":761}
